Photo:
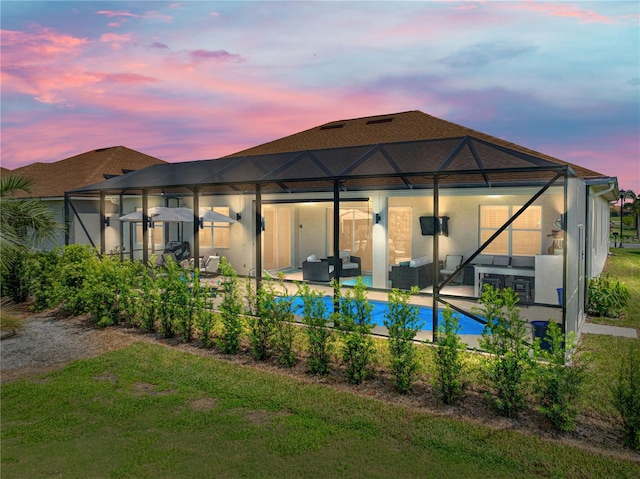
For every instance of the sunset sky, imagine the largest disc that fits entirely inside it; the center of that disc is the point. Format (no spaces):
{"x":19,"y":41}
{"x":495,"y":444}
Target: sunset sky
{"x":197,"y":80}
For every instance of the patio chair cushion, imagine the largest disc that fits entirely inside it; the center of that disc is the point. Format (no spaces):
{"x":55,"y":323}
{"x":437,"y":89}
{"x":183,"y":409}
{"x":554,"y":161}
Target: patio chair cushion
{"x":422,"y":260}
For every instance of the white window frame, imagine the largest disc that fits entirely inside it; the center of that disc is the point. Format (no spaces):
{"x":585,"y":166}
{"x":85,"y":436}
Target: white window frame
{"x":511,"y":229}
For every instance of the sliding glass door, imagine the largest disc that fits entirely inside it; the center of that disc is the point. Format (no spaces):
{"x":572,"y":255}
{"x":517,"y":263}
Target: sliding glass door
{"x":276,"y":238}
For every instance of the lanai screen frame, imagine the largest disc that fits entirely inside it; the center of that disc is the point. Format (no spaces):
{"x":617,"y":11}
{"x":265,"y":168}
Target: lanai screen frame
{"x":466,"y":162}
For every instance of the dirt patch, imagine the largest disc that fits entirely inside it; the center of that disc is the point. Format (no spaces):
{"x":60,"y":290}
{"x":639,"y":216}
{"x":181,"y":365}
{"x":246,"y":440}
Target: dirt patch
{"x":203,"y":404}
{"x":147,"y":389}
{"x":257,"y":417}
{"x":48,"y":343}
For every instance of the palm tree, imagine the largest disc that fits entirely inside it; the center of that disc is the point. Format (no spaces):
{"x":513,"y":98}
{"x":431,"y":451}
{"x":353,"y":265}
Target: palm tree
{"x":634,"y":209}
{"x":23,"y":222}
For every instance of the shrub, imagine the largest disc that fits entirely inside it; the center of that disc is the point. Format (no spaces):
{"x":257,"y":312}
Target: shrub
{"x":401,"y":320}
{"x":149,"y":298}
{"x":261,"y":323}
{"x":319,"y":335}
{"x":206,"y":324}
{"x":558,"y":383}
{"x":47,"y":289}
{"x":74,"y":269}
{"x":355,"y":324}
{"x":16,"y":280}
{"x":509,"y":353}
{"x":607,"y":296}
{"x":285,"y":330}
{"x":626,"y":398}
{"x":173,"y":297}
{"x":59,"y":276}
{"x":109,"y":291}
{"x":230,"y":310}
{"x":448,"y":358}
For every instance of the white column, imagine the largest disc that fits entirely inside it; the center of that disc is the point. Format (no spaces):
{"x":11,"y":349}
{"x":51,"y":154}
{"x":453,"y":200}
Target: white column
{"x":379,"y":241}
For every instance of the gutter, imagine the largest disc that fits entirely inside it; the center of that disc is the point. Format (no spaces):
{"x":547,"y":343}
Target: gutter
{"x":612,"y":185}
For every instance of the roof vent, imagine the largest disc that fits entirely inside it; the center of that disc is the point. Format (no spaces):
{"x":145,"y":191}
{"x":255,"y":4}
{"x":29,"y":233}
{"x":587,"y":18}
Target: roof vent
{"x":332,"y":127}
{"x":101,"y":149}
{"x":108,"y":176}
{"x":381,"y":120}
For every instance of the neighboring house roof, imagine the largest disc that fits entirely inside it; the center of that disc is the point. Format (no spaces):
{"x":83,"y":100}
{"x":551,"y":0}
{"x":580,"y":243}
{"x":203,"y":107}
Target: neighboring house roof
{"x":53,"y":179}
{"x":390,"y":128}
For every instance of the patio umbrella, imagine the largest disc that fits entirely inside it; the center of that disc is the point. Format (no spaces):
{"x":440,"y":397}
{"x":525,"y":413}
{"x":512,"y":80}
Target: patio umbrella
{"x":162,"y":213}
{"x":177,"y":215}
{"x":214,"y":217}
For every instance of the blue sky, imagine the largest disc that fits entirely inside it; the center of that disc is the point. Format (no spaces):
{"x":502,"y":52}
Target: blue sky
{"x":198,"y":79}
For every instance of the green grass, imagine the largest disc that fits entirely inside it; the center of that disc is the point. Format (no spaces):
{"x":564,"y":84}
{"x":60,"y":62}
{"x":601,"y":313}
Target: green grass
{"x":624,"y":264}
{"x":604,"y":355}
{"x":149,"y":411}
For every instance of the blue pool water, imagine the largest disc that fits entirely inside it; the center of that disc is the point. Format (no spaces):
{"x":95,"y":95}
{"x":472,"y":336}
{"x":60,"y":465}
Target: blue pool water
{"x":467,"y":325}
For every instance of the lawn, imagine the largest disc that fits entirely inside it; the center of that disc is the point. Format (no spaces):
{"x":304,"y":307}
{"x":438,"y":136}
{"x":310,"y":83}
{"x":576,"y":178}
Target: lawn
{"x":150,"y":411}
{"x":624,"y":264}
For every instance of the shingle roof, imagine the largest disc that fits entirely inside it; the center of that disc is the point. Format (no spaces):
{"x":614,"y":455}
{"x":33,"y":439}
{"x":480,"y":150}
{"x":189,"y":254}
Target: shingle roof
{"x":390,"y":128}
{"x":395,"y":151}
{"x":53,"y":179}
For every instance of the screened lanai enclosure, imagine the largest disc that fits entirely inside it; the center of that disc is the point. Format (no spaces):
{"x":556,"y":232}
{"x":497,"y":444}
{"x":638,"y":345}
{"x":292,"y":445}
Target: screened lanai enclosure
{"x":446,"y":214}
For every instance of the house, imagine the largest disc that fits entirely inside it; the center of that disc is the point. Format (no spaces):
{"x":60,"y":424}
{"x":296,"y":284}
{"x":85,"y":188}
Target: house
{"x":52,"y":180}
{"x":397,"y":190}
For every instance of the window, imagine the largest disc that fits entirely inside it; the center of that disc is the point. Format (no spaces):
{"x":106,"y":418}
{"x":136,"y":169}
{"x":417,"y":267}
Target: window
{"x":215,"y":234}
{"x":522,"y":238}
{"x":400,"y":233}
{"x":355,"y":233}
{"x":156,"y":234}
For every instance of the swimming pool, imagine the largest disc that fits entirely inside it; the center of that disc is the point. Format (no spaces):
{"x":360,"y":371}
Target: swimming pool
{"x":467,"y":325}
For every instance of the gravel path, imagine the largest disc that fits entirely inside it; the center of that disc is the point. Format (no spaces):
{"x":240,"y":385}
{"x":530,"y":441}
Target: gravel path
{"x":47,"y":343}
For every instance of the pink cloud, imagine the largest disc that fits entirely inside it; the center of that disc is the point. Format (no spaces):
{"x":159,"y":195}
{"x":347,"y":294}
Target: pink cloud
{"x":116,"y":40}
{"x":217,"y":55}
{"x":565,"y":10}
{"x":40,"y":42}
{"x":126,"y":78}
{"x":116,"y":13}
{"x":126,"y":14}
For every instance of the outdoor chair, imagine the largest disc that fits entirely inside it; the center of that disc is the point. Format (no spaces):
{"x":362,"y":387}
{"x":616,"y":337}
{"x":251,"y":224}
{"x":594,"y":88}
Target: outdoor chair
{"x":451,"y":264}
{"x":210,"y":266}
{"x":497,"y":282}
{"x":499,"y":260}
{"x":522,"y":288}
{"x":319,"y":270}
